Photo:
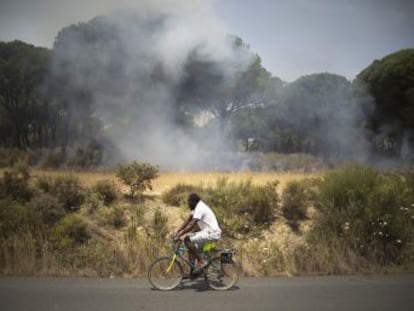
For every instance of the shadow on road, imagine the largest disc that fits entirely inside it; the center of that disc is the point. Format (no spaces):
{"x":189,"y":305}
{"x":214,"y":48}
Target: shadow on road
{"x":197,"y":285}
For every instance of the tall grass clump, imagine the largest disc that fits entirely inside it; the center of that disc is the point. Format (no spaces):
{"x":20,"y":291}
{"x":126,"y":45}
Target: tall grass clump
{"x":365,"y":214}
{"x":21,"y":238}
{"x":297,"y":196}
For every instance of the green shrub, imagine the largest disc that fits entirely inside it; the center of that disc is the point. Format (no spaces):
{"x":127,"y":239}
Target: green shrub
{"x":245,"y":199}
{"x":67,"y":188}
{"x":107,"y":190}
{"x":70,"y":231}
{"x":370,"y":211}
{"x":48,"y":207}
{"x":15,"y":183}
{"x":137,"y":176}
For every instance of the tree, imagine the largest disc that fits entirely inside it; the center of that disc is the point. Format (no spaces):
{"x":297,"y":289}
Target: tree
{"x":23,"y":69}
{"x":137,"y":176}
{"x":223,"y":88}
{"x":391,"y":83}
{"x":315,"y":114}
{"x":252,"y":126}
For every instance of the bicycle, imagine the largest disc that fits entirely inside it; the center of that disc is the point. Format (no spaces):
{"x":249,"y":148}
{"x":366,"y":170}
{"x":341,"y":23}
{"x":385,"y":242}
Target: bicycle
{"x":221,"y":272}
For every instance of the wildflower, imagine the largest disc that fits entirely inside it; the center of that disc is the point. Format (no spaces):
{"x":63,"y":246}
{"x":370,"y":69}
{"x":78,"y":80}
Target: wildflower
{"x":362,"y":246}
{"x":380,"y":233}
{"x":384,"y":223}
{"x":402,"y":208}
{"x":398,"y":241}
{"x":264,"y":260}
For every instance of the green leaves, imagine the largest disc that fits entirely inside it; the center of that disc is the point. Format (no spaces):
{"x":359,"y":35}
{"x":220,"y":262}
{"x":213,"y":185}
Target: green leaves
{"x":137,"y":176}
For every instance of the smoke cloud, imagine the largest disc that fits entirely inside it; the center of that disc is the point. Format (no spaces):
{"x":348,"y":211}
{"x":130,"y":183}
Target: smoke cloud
{"x":130,"y":65}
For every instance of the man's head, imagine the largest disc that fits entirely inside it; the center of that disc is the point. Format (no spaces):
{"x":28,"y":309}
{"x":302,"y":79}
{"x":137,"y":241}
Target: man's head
{"x":192,"y":200}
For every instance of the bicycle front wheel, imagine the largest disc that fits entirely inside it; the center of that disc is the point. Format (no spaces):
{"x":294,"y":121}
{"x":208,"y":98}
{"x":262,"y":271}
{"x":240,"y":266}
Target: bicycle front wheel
{"x":221,"y":275}
{"x":165,"y":273}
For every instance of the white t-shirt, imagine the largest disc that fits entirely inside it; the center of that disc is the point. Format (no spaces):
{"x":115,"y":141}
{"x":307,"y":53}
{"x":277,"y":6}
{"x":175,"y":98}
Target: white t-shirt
{"x":206,"y":218}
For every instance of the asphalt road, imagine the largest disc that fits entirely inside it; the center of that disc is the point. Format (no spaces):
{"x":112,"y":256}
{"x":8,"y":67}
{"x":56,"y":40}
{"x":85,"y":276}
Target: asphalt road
{"x":354,"y":293}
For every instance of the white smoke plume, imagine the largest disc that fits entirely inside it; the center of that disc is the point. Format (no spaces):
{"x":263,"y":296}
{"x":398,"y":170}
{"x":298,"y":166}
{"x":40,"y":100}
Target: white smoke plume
{"x":132,"y":62}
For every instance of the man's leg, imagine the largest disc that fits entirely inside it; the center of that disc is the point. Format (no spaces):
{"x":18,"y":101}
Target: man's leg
{"x":194,"y":242}
{"x":193,"y":251}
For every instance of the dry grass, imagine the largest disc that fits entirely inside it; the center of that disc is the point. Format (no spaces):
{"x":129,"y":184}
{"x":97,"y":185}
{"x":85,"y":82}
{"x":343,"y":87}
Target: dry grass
{"x":167,"y":180}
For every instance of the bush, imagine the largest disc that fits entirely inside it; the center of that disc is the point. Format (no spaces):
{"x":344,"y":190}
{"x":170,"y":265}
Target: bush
{"x":243,"y":198}
{"x":69,"y":232}
{"x":137,"y":176}
{"x":112,"y":216}
{"x":370,"y":211}
{"x":67,"y":188}
{"x":48,"y":207}
{"x":15,"y":183}
{"x":107,"y":190}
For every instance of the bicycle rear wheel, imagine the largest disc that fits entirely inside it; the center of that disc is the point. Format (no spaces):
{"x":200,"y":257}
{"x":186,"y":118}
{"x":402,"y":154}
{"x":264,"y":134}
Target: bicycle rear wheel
{"x":165,"y":273}
{"x":221,"y":275}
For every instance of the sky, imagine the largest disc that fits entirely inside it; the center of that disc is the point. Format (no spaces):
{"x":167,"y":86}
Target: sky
{"x":293,"y":37}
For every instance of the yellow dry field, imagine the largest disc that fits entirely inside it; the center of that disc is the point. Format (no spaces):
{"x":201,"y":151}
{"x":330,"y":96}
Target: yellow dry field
{"x":167,"y":180}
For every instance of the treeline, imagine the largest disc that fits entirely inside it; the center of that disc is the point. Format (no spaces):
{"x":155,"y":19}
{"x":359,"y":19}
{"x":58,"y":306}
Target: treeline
{"x":94,"y":86}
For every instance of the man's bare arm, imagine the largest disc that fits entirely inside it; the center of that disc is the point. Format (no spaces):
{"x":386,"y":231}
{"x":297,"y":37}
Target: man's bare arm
{"x":188,"y":227}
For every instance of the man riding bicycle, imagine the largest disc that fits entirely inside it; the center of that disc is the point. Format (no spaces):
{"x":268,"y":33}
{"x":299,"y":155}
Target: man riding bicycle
{"x":202,"y":216}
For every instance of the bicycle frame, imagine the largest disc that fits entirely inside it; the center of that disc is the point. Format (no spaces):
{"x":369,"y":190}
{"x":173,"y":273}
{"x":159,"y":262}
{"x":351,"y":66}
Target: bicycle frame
{"x":178,"y":250}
